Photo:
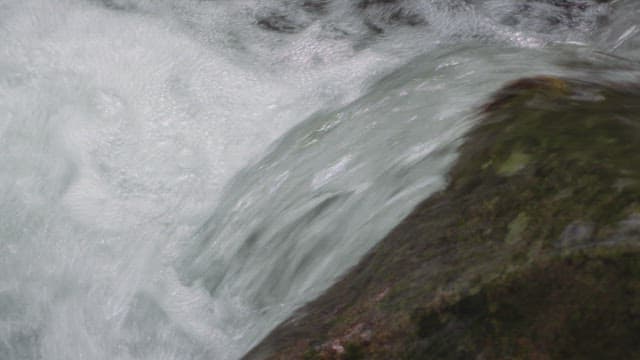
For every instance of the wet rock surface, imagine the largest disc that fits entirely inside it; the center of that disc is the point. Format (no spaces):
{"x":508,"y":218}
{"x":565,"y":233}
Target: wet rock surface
{"x":553,"y":15}
{"x":377,"y":15}
{"x":282,"y":23}
{"x":531,"y":252}
{"x":382,"y":16}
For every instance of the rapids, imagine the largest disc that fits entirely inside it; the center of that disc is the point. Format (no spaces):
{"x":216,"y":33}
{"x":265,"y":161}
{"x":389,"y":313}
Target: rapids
{"x":176,"y":177}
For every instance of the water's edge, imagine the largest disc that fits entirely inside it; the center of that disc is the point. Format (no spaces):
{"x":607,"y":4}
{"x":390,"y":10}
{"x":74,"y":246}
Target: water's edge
{"x":530,"y":251}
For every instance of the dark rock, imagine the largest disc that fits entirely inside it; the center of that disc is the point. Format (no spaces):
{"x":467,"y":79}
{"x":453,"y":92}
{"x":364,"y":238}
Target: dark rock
{"x":576,"y":234}
{"x":531,"y":252}
{"x":281,"y":23}
{"x":550,"y":15}
{"x":380,"y":14}
{"x":119,"y":5}
{"x":316,"y":6}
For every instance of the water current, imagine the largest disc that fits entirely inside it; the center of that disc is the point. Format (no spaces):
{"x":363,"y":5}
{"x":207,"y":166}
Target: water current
{"x":176,"y":177}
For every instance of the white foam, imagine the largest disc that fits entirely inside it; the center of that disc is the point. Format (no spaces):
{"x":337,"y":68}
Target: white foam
{"x":119,"y":130}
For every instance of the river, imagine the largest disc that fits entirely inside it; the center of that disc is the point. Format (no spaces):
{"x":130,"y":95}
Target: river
{"x":176,"y":177}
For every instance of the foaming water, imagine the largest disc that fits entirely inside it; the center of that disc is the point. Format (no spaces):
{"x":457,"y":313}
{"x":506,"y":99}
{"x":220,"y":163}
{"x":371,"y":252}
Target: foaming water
{"x":176,"y":177}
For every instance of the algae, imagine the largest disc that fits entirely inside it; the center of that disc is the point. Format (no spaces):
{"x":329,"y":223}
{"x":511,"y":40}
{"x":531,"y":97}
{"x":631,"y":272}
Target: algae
{"x":514,"y":163}
{"x":516,"y":228}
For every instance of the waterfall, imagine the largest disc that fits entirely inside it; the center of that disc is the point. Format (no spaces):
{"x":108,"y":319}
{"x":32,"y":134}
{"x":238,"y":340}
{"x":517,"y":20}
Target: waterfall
{"x":178,"y":176}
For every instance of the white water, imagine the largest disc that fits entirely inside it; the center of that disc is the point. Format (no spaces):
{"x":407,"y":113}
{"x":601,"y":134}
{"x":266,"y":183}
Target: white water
{"x":176,"y":179}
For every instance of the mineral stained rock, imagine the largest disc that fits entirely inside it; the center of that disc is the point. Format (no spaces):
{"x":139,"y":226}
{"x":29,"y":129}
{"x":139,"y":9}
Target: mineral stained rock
{"x":531,"y":252}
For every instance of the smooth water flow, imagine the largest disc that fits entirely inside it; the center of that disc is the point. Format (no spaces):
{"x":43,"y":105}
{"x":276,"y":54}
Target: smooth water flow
{"x":176,"y":177}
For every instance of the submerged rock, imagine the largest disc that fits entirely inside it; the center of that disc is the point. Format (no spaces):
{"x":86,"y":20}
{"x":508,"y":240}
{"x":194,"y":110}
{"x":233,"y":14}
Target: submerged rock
{"x":280,"y":22}
{"x":119,"y":5}
{"x":532,"y":251}
{"x":381,"y":14}
{"x":549,"y":16}
{"x":316,"y":6}
{"x":378,"y":16}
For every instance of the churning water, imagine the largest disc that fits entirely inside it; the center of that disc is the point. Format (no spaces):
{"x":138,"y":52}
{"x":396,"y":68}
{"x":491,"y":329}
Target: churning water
{"x":177,"y":176}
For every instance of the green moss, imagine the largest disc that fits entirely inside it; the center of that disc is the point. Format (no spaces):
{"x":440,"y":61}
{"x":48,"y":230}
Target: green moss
{"x":311,"y":354}
{"x":427,"y":323}
{"x":516,"y":228}
{"x":514,"y":163}
{"x":558,"y":309}
{"x":353,"y":352}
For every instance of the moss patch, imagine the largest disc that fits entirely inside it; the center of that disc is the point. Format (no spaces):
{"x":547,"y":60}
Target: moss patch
{"x":577,"y":307}
{"x":514,"y":163}
{"x":516,"y":228}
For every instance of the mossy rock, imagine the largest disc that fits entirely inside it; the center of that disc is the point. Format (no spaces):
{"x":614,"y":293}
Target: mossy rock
{"x":584,"y":306}
{"x":531,"y":252}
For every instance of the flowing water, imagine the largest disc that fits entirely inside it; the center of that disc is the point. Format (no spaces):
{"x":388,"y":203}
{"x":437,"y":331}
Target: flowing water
{"x":176,"y":177}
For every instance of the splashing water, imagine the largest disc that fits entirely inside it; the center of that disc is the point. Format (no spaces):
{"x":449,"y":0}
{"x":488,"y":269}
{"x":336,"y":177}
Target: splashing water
{"x":176,"y":177}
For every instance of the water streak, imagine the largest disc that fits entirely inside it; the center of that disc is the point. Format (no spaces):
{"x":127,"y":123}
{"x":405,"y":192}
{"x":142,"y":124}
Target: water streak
{"x":176,"y":177}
